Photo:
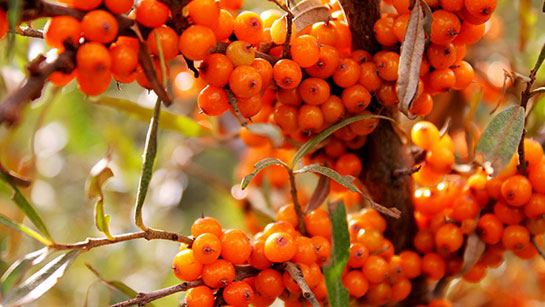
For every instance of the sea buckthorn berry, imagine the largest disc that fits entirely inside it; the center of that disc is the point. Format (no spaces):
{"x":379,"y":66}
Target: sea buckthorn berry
{"x":314,"y":91}
{"x":322,"y":247}
{"x":464,"y":74}
{"x":379,"y":295}
{"x":440,"y":158}
{"x":289,"y":97}
{"x":347,"y":73}
{"x":168,"y":39}
{"x":85,"y":5}
{"x":400,"y":26}
{"x":257,"y":257}
{"x":269,"y":17}
{"x":387,"y":65}
{"x":252,"y":139}
{"x":93,"y":84}
{"x":515,"y":237}
{"x":335,"y":147}
{"x":348,"y":164}
{"x":434,"y":266}
{"x":452,"y":5}
{"x":248,"y":27}
{"x":99,"y":26}
{"x":536,"y":175}
{"x":216,"y":69}
{"x":304,"y":251}
{"x":424,"y":241}
{"x":200,"y":296}
{"x":235,"y":246}
{"x":444,"y":28}
{"x":152,"y":13}
{"x":269,"y":283}
{"x":317,"y":223}
{"x":490,"y":228}
{"x":232,"y":5}
{"x":238,"y":293}
{"x":508,"y":214}
{"x":365,"y":126}
{"x":425,"y":135}
{"x":384,"y":31}
{"x":245,"y":81}
{"x":280,"y":247}
{"x":287,"y":214}
{"x":4,"y":25}
{"x":476,"y":273}
{"x":124,"y":59}
{"x":305,"y":50}
{"x":327,"y":63}
{"x":224,"y":25}
{"x":279,"y":31}
{"x":441,"y":80}
{"x":516,"y":190}
{"x":449,"y":238}
{"x":344,"y":37}
{"x":528,"y":252}
{"x":186,"y":267}
{"x":464,"y":207}
{"x":206,"y":248}
{"x":58,"y":30}
{"x":482,"y":9}
{"x":410,"y":264}
{"x":402,"y":6}
{"x":356,"y":98}
{"x":356,"y":283}
{"x":401,"y":290}
{"x":213,"y":101}
{"x":286,"y":118}
{"x":333,"y":109}
{"x":371,"y":238}
{"x":439,"y":302}
{"x":240,"y":53}
{"x":535,"y":207}
{"x":533,"y":152}
{"x":93,"y":58}
{"x":287,"y":74}
{"x":264,"y":68}
{"x":387,"y":93}
{"x":422,"y":106}
{"x":535,"y":227}
{"x":61,"y":79}
{"x":249,"y":107}
{"x":206,"y":225}
{"x":469,"y":33}
{"x":218,"y":274}
{"x":358,"y":255}
{"x":441,"y":56}
{"x":325,"y":33}
{"x":204,"y":12}
{"x":375,"y":269}
{"x":119,"y":6}
{"x":196,"y":42}
{"x":369,"y":77}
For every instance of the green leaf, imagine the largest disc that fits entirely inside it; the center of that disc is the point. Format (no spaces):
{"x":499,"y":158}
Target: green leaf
{"x":270,"y":131}
{"x":26,"y":207}
{"x":13,"y":275}
{"x":346,"y":181}
{"x":501,"y":138}
{"x":98,"y":176}
{"x":340,"y":252}
{"x":40,"y":282}
{"x":540,"y":58}
{"x":321,"y":191}
{"x":259,"y":166}
{"x":170,"y":121}
{"x":14,"y":16}
{"x":310,"y":144}
{"x":4,"y":220}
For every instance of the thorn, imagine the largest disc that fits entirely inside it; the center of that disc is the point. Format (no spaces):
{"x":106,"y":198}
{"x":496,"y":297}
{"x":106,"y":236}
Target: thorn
{"x":400,"y":172}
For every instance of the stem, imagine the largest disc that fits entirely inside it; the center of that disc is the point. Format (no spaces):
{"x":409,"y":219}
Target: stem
{"x":148,"y":234}
{"x":539,"y":250}
{"x":296,"y":204}
{"x":298,"y":277}
{"x":143,"y":298}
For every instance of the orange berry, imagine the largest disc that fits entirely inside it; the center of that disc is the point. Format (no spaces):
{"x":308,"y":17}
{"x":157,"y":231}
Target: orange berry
{"x":535,"y":207}
{"x":245,"y":81}
{"x":440,"y":158}
{"x":470,"y":33}
{"x":58,"y":30}
{"x":314,"y":91}
{"x":269,"y":283}
{"x":508,"y":214}
{"x":305,"y":50}
{"x":152,"y":13}
{"x":445,"y":26}
{"x":410,"y":264}
{"x":186,"y":267}
{"x":124,"y":59}
{"x":515,"y":237}
{"x":322,"y":247}
{"x":516,"y":190}
{"x":333,"y":109}
{"x":204,"y":12}
{"x":218,"y":274}
{"x":425,"y":135}
{"x":206,"y":225}
{"x":348,"y":164}
{"x":433,"y":266}
{"x":168,"y":39}
{"x":310,"y":118}
{"x":482,"y":8}
{"x":213,"y":101}
{"x":240,"y":53}
{"x":356,"y":283}
{"x":287,"y":74}
{"x":94,"y":84}
{"x":93,"y":58}
{"x":422,"y":105}
{"x":375,"y":269}
{"x":200,"y":296}
{"x":86,"y":5}
{"x":533,"y":152}
{"x":238,"y":293}
{"x":326,"y":64}
{"x":356,"y":98}
{"x":99,"y":26}
{"x":325,"y":33}
{"x":264,"y":68}
{"x":369,"y":77}
{"x":61,"y":79}
{"x":216,"y":69}
{"x":249,"y":107}
{"x":347,"y":73}
{"x":235,"y":246}
{"x":223,"y":28}
{"x":384,"y":31}
{"x":424,"y":241}
{"x":441,"y":56}
{"x":387,"y":65}
{"x":248,"y":27}
{"x":286,"y":118}
{"x":464,"y":74}
{"x":196,"y":42}
{"x":206,"y":248}
{"x":449,"y":238}
{"x":317,"y":223}
{"x":358,"y":255}
{"x":401,"y":290}
{"x":536,"y":175}
{"x":257,"y":257}
{"x":280,"y":247}
{"x":119,"y":6}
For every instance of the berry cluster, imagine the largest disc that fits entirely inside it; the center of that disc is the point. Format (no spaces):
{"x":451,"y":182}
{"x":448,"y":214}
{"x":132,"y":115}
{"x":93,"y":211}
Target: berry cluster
{"x":505,"y":211}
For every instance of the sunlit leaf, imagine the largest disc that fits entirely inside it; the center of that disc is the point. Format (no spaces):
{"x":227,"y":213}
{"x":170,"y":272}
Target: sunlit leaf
{"x":501,"y":138}
{"x":340,"y":245}
{"x":40,"y":282}
{"x":259,"y":166}
{"x":17,"y":270}
{"x":170,"y":121}
{"x":97,"y":177}
{"x":346,"y":181}
{"x":268,"y":130}
{"x":540,"y":59}
{"x":410,"y":59}
{"x":310,"y":144}
{"x":4,"y":220}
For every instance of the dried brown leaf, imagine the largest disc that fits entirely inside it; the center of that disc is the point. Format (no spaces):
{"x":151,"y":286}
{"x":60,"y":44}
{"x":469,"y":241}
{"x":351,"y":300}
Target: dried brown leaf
{"x":309,"y":12}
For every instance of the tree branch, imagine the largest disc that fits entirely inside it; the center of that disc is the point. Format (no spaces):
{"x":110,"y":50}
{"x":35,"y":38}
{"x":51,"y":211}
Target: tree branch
{"x":298,"y":277}
{"x":361,"y":15}
{"x":143,"y":298}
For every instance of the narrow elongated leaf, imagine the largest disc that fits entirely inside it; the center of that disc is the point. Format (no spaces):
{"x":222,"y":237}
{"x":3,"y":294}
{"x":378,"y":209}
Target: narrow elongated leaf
{"x":346,"y":181}
{"x":319,"y":195}
{"x":310,"y":144}
{"x":29,"y":210}
{"x":270,"y":131}
{"x":98,"y":176}
{"x":179,"y":123}
{"x":340,"y":246}
{"x":540,"y":58}
{"x":474,"y":250}
{"x":40,"y":282}
{"x":309,"y":12}
{"x":15,"y":272}
{"x":259,"y":166}
{"x":501,"y":138}
{"x":410,"y":59}
{"x":4,"y":220}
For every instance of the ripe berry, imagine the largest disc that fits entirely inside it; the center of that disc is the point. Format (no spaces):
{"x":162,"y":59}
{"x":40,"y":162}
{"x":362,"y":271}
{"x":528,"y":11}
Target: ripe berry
{"x":356,"y":98}
{"x":441,"y":56}
{"x":186,"y":267}
{"x":314,"y":91}
{"x":375,"y":269}
{"x":356,"y":283}
{"x":119,"y":6}
{"x":515,"y":237}
{"x":224,"y":25}
{"x":93,"y":58}
{"x":99,"y":26}
{"x":464,"y":74}
{"x":58,"y":30}
{"x":516,"y":190}
{"x":269,"y":282}
{"x":310,"y":118}
{"x":86,"y":5}
{"x":152,"y":13}
{"x":384,"y":31}
{"x":535,"y":207}
{"x":358,"y":255}
{"x":245,"y":81}
{"x":196,"y":42}
{"x":280,"y":247}
{"x":257,"y":257}
{"x":425,"y":135}
{"x":168,"y":39}
{"x":286,"y":118}
{"x":206,"y":248}
{"x":482,"y":8}
{"x":248,"y":27}
{"x":348,"y":164}
{"x":333,"y":109}
{"x":317,"y":223}
{"x":508,"y":214}
{"x":327,"y":63}
{"x":410,"y":264}
{"x":445,"y":26}
{"x":216,"y":69}
{"x":433,"y":266}
{"x":287,"y":74}
{"x":240,"y":53}
{"x":387,"y":65}
{"x":213,"y":101}
{"x":204,"y":12}
{"x":235,"y":246}
{"x":206,"y":225}
{"x":200,"y":296}
{"x":264,"y":68}
{"x":93,"y":84}
{"x":305,"y":50}
{"x":218,"y":274}
{"x":347,"y":73}
{"x":369,"y":77}
{"x":324,"y":32}
{"x":449,"y":238}
{"x":238,"y":293}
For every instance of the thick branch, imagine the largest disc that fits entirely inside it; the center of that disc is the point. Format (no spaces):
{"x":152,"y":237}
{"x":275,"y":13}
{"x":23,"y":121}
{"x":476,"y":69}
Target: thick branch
{"x":361,"y":15}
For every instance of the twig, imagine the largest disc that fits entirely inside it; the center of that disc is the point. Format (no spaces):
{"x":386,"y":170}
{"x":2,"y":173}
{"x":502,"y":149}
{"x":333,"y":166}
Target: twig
{"x":234,"y":104}
{"x":406,"y":171}
{"x":298,"y":277}
{"x":143,"y":298}
{"x":392,"y":212}
{"x":221,"y":47}
{"x":286,"y":52}
{"x":29,"y":32}
{"x":296,"y":204}
{"x":191,"y":66}
{"x":148,"y":234}
{"x":539,"y":250}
